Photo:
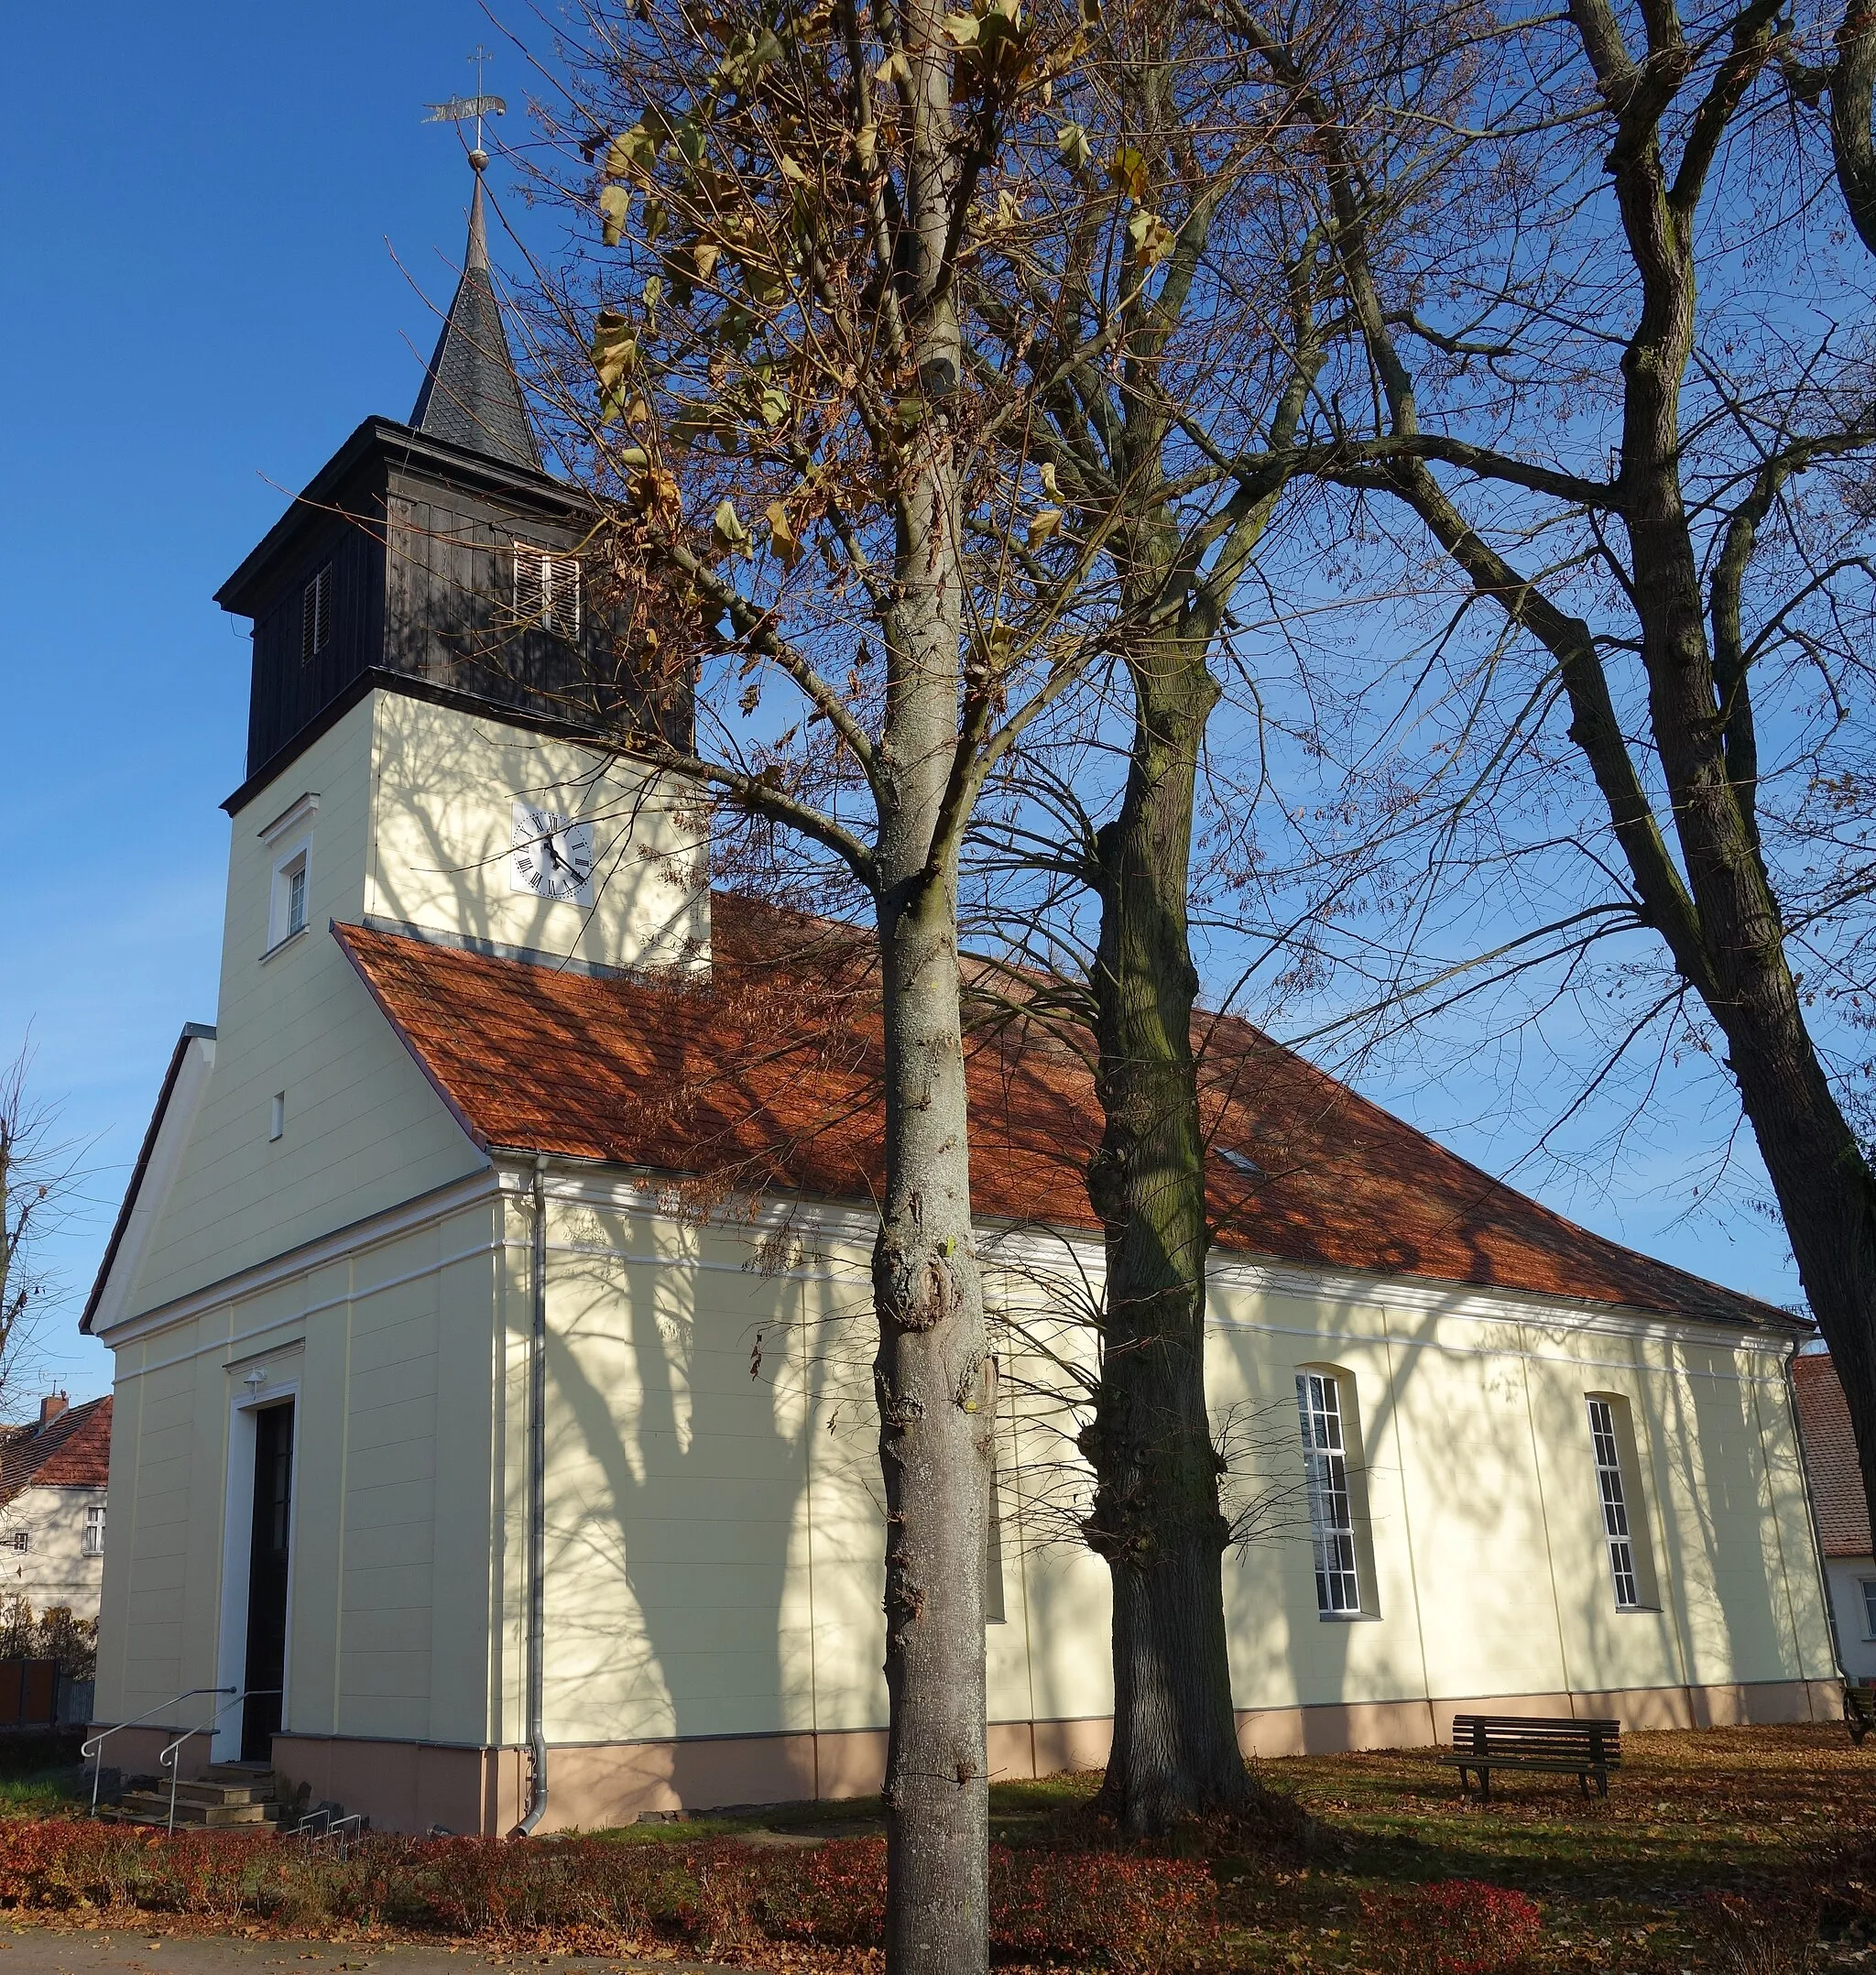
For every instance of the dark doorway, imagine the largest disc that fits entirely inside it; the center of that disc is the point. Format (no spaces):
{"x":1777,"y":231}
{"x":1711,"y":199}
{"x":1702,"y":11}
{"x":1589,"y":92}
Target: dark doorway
{"x":266,"y":1582}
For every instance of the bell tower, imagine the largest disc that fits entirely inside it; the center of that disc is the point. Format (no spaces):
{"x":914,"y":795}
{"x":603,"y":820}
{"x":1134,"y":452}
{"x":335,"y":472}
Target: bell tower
{"x":441,"y":557}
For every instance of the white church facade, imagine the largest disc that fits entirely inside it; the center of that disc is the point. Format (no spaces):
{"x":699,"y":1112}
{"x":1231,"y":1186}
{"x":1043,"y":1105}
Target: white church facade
{"x":489,"y":1304}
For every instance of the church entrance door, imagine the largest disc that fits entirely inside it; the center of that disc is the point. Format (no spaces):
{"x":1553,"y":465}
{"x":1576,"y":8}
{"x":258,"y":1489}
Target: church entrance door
{"x":266,"y":1581}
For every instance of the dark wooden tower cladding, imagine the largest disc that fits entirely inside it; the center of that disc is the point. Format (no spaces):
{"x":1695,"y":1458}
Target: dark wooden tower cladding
{"x":397,"y":565}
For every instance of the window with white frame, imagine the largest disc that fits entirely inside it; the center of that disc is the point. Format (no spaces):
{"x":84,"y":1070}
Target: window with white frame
{"x":316,"y":615}
{"x":94,"y":1530}
{"x":287,"y":910}
{"x":20,"y":1539}
{"x":547,"y":589}
{"x":1331,"y":1509}
{"x":1616,"y":1531}
{"x":1869,"y":1589}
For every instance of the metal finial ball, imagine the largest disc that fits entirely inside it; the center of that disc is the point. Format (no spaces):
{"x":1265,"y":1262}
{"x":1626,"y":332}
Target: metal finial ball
{"x":478,"y":157}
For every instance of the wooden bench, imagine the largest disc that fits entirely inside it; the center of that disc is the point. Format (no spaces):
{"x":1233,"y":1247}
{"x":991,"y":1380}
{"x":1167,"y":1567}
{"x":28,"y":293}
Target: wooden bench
{"x":1859,"y":1710}
{"x":1482,"y":1743}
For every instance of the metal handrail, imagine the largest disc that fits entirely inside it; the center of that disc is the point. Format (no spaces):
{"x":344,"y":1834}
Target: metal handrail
{"x":93,"y":1746}
{"x":169,"y":1759}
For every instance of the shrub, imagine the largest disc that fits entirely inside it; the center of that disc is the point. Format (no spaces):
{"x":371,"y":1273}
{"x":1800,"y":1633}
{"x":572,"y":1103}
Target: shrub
{"x":1137,"y":1915}
{"x":1455,"y":1927}
{"x":834,"y":1894}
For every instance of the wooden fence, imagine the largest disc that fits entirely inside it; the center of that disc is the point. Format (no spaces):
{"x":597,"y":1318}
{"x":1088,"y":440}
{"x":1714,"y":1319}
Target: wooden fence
{"x":28,"y":1693}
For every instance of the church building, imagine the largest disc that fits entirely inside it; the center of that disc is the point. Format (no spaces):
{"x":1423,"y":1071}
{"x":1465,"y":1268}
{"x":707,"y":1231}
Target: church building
{"x":493,"y":1418}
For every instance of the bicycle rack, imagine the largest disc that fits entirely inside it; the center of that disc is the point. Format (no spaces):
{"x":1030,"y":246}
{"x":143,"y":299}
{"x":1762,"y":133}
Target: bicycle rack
{"x":330,"y":1827}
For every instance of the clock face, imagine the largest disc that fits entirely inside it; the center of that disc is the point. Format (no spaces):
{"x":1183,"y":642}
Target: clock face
{"x":552,"y":856}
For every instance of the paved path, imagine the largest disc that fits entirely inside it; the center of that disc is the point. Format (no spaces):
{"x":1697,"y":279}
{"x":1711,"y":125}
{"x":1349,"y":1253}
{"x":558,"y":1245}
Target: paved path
{"x":47,"y":1951}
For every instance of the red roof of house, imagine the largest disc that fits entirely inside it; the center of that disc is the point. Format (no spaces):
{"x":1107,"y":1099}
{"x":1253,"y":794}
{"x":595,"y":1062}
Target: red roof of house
{"x":766,"y":1073}
{"x":1831,"y":1458}
{"x":71,"y":1451}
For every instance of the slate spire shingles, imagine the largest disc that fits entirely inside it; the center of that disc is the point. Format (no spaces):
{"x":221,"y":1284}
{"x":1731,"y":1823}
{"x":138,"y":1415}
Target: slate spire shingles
{"x":470,"y":395}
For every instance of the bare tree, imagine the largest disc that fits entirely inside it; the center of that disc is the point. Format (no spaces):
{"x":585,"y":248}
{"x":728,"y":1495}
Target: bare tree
{"x":774,"y":327}
{"x":1132,"y":299}
{"x":1220,"y":361}
{"x":38,"y":1178}
{"x":1623,"y":394}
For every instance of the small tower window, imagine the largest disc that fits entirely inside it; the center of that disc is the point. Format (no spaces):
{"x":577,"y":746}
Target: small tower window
{"x":316,"y":615}
{"x":547,"y":589}
{"x":287,"y":907}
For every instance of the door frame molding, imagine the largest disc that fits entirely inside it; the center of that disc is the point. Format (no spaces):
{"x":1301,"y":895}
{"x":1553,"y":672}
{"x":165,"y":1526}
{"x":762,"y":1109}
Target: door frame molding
{"x":282,"y":1385}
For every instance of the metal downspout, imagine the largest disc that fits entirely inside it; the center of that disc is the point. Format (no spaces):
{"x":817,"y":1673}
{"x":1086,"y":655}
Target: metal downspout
{"x":1791,"y":1400}
{"x":537,"y":1511}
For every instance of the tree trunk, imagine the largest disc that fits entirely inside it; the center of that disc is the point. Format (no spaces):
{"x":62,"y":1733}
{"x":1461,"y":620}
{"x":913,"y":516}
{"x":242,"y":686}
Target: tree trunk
{"x":1716,"y":911}
{"x":932,"y":1374}
{"x":1826,"y":1192}
{"x":934,"y":1380}
{"x":1156,"y":1516}
{"x":1825,"y":1195}
{"x":1724,"y":928}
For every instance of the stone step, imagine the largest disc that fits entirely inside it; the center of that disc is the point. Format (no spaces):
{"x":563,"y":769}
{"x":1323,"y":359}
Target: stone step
{"x":239,"y":1772}
{"x":152,"y":1807}
{"x":205,"y":1791}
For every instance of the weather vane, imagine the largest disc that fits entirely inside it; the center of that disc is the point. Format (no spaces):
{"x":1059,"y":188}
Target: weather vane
{"x":460,"y":109}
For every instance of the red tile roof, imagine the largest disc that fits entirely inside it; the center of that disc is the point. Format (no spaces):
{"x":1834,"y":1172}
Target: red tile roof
{"x":1831,"y":1458}
{"x":767,"y":1074}
{"x":72,"y":1451}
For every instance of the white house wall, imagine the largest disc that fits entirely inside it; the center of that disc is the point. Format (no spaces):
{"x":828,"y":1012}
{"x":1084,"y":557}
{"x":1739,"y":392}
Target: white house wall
{"x":55,"y":1569}
{"x":1856,"y":1637}
{"x":714,"y":1536}
{"x":1488,"y":1550}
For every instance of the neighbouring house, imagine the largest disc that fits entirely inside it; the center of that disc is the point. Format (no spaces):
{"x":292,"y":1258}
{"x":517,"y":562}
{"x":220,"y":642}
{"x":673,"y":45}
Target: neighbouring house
{"x":54,"y":1482}
{"x":513,"y":1151}
{"x":1843,"y":1509}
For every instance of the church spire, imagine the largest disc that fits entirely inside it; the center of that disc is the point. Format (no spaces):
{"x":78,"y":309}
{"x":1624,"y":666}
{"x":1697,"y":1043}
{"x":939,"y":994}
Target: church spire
{"x":471,"y":396}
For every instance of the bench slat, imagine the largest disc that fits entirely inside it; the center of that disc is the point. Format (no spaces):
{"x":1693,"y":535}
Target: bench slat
{"x":1520,"y":1735}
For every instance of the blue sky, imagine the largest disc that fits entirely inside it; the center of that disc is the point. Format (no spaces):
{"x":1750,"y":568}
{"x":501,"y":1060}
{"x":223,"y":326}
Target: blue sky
{"x":198,"y":302}
{"x":200,"y":299}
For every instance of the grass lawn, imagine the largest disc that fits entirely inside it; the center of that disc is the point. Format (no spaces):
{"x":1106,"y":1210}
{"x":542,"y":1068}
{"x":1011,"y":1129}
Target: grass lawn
{"x":41,"y":1774}
{"x":1757,"y":1815}
{"x":56,"y":1792}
